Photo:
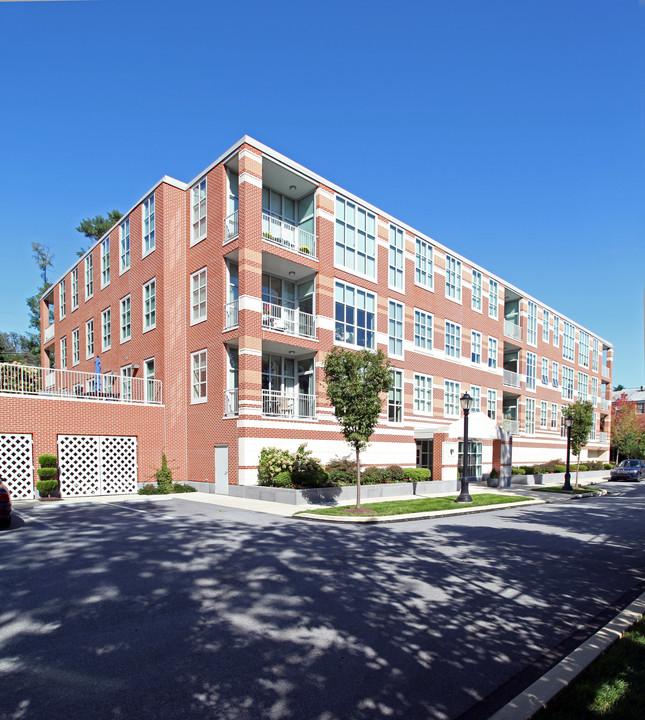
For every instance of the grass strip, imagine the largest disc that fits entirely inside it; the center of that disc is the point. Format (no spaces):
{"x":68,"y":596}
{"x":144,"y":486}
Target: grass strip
{"x":611,"y":688}
{"x":557,"y":489}
{"x":403,"y":507}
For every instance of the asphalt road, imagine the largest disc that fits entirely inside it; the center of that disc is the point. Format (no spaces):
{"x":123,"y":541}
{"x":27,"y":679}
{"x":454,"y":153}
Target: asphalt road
{"x":175,"y":609}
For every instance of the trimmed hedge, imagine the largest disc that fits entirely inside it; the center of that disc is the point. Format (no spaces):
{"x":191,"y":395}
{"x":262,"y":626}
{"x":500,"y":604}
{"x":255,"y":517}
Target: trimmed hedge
{"x":47,"y":473}
{"x":418,"y":474}
{"x":46,"y":487}
{"x":46,"y":460}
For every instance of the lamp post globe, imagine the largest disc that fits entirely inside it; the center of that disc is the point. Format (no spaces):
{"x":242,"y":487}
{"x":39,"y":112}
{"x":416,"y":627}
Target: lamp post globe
{"x":568,"y":421}
{"x":466,"y":403}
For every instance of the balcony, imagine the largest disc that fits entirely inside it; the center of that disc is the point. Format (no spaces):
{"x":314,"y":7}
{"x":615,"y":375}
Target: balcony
{"x":511,"y":379}
{"x":605,"y":405}
{"x":231,"y":314}
{"x":288,"y":320}
{"x":511,"y":426}
{"x":50,"y":332}
{"x":513,"y":330}
{"x":231,"y":408}
{"x":75,"y":385}
{"x":605,"y":372}
{"x":277,"y":403}
{"x":288,"y":236}
{"x":231,"y":227}
{"x":603,"y":437}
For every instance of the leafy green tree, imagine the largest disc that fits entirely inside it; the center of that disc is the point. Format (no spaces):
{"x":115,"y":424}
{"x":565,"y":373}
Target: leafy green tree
{"x":355,"y":382}
{"x":15,"y":347}
{"x":582,"y":415}
{"x":627,"y":429}
{"x":94,"y":228}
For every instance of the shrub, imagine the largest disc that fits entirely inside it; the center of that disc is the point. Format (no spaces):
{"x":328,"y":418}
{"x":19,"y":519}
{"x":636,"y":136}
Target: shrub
{"x":344,"y":464}
{"x":46,"y":487}
{"x":418,"y":474}
{"x":394,"y":473}
{"x":607,"y":466}
{"x":183,"y":488}
{"x":582,"y":468}
{"x":151,"y":489}
{"x":341,"y":477}
{"x":518,"y":471}
{"x":47,"y":461}
{"x":560,"y":468}
{"x":47,"y":473}
{"x":373,"y":476}
{"x":528,"y":469}
{"x":493,"y":474}
{"x":164,"y":474}
{"x":283,"y":479}
{"x":272,"y":462}
{"x":311,"y":477}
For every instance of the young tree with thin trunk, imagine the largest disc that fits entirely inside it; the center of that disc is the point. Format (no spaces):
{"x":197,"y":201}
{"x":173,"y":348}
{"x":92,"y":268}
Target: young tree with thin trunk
{"x":582,"y":414}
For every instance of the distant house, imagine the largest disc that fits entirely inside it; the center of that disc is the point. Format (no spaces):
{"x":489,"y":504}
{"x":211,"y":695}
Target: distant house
{"x":634,"y":395}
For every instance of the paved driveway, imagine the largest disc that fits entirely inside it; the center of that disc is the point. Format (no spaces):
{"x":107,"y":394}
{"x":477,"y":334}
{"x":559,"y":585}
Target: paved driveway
{"x":174,"y":609}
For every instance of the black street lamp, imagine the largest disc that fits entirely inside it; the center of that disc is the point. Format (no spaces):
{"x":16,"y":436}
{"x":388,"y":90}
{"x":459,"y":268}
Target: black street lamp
{"x":568,"y":421}
{"x":466,"y":403}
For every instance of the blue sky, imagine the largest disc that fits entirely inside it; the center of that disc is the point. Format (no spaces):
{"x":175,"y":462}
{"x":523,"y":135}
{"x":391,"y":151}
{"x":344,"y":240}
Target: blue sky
{"x":509,"y":131}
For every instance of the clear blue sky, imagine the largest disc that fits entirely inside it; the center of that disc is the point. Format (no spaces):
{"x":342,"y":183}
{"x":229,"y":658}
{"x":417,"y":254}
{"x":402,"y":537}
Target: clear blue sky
{"x":511,"y":131}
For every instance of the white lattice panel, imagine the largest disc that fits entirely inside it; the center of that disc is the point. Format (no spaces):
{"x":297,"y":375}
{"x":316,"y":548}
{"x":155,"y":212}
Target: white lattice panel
{"x":118,"y":465}
{"x":79,"y":458}
{"x":16,"y":464}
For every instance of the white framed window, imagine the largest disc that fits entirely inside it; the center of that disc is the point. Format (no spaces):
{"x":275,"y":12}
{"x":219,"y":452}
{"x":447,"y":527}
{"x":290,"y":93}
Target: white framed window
{"x":149,"y":377}
{"x":453,"y":339}
{"x":74,"y":288}
{"x":475,"y":346}
{"x":395,"y":269}
{"x":150,"y":305}
{"x":529,"y":426}
{"x":531,"y":367}
{"x":594,"y":390}
{"x":474,"y":459}
{"x":592,"y":430}
{"x":424,"y":264}
{"x":105,"y":262}
{"x":89,"y":339}
{"x":422,"y":393}
{"x":556,"y":331}
{"x":594,"y":355}
{"x":583,"y":387}
{"x":76,"y":347}
{"x":355,"y":238}
{"x":567,"y":383}
{"x":545,"y":325}
{"x":62,"y":308}
{"x":198,"y":296}
{"x":198,"y":212}
{"x":453,"y":278}
{"x":126,"y":326}
{"x":148,"y":219}
{"x":545,"y":371}
{"x":531,"y":323}
{"x":568,"y":341}
{"x":554,"y":416}
{"x":423,"y":329}
{"x":354,"y":310}
{"x":89,"y":277}
{"x":451,"y":393}
{"x":493,"y":298}
{"x":63,"y":353}
{"x":199,"y":386}
{"x":476,"y":294}
{"x":476,"y":395}
{"x":124,"y":246}
{"x":491,"y":404}
{"x":395,"y":398}
{"x":106,"y":329}
{"x":126,"y":383}
{"x":543,"y":413}
{"x":583,"y":349}
{"x":492,"y":352}
{"x":395,"y":328}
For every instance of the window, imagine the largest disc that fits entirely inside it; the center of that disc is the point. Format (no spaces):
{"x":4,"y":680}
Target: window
{"x":555,"y":374}
{"x":475,"y":346}
{"x":422,"y":393}
{"x":594,"y":390}
{"x":476,"y":395}
{"x":198,"y":212}
{"x":61,"y":300}
{"x":89,"y":278}
{"x":592,"y":430}
{"x":583,"y":349}
{"x":531,"y":363}
{"x":424,"y":264}
{"x":492,"y":298}
{"x":423,"y":330}
{"x":233,"y":293}
{"x":424,"y":454}
{"x":395,"y":328}
{"x":545,"y":325}
{"x":148,"y":225}
{"x":453,"y":339}
{"x":567,"y":383}
{"x":543,"y":413}
{"x":199,"y":388}
{"x":74,"y":288}
{"x":63,"y":353}
{"x":529,"y":426}
{"x":125,"y":319}
{"x":198,"y":296}
{"x":545,"y":371}
{"x":451,"y":394}
{"x":105,"y":262}
{"x":232,"y":382}
{"x":89,"y":339}
{"x":568,"y":341}
{"x":395,"y":273}
{"x":354,"y":310}
{"x":355,"y":238}
{"x":594,"y":355}
{"x":106,"y":329}
{"x":492,"y":352}
{"x":554,"y":416}
{"x":531,"y":324}
{"x":124,"y":246}
{"x":149,"y":378}
{"x":583,"y":387}
{"x":453,"y":278}
{"x":395,"y":398}
{"x":556,"y":331}
{"x":126,"y":383}
{"x":76,"y":347}
{"x":476,"y":301}
{"x":150,"y":305}
{"x":491,"y":404}
{"x":473,"y":461}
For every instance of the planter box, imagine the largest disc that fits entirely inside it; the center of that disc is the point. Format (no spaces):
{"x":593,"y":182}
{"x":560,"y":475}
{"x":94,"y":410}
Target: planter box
{"x":558,"y":478}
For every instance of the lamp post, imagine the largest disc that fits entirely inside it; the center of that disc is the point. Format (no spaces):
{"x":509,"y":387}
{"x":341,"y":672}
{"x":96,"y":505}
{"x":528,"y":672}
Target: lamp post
{"x":466,"y":403}
{"x":568,"y":421}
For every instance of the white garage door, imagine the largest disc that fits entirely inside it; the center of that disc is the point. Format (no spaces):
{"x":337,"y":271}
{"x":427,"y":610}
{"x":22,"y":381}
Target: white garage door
{"x":17,"y":463}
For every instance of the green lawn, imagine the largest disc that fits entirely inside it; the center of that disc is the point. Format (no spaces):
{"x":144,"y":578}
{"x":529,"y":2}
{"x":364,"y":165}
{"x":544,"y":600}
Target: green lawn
{"x":611,"y":688}
{"x":402,"y":507}
{"x":558,"y":489}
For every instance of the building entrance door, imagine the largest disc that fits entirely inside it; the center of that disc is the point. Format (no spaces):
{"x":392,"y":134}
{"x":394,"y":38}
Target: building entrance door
{"x":221,"y":469}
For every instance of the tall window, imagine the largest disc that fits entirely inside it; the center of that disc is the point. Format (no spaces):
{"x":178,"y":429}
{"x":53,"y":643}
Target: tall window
{"x":545,"y":325}
{"x":76,"y":347}
{"x":355,"y":238}
{"x":148,"y":225}
{"x":592,"y":430}
{"x":476,"y":395}
{"x":543,"y":413}
{"x":556,"y":331}
{"x":555,"y":374}
{"x":451,"y":398}
{"x":354,"y":310}
{"x":594,"y":355}
{"x":395,"y":275}
{"x":594,"y":390}
{"x":422,"y":393}
{"x":583,"y":387}
{"x":492,"y":352}
{"x":568,"y":341}
{"x":395,"y":328}
{"x":554,"y":416}
{"x":530,"y":416}
{"x":567,"y":383}
{"x":474,"y":459}
{"x":126,"y":328}
{"x":531,"y":363}
{"x":198,"y":212}
{"x":63,"y":353}
{"x":149,"y":377}
{"x":89,"y":339}
{"x":476,"y":301}
{"x":493,"y":294}
{"x":89,"y":277}
{"x":124,"y":245}
{"x":395,"y":398}
{"x":198,"y":296}
{"x":424,"y":264}
{"x":74,"y":288}
{"x":106,"y":329}
{"x":531,"y":324}
{"x":545,"y":371}
{"x":105,"y":262}
{"x":423,"y":330}
{"x":198,"y":393}
{"x":126,"y":383}
{"x":453,"y":339}
{"x":491,"y":404}
{"x":583,"y":349}
{"x":475,"y":346}
{"x":150,"y":305}
{"x":62,"y":311}
{"x":453,"y":278}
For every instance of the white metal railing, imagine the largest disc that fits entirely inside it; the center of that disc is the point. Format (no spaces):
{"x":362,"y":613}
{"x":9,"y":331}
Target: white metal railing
{"x":276,"y":403}
{"x":232,"y":314}
{"x":603,"y":437}
{"x":511,"y":379}
{"x":511,"y":426}
{"x":50,"y":332}
{"x":27,"y":380}
{"x":288,"y":320}
{"x":231,"y":227}
{"x":230,"y":402}
{"x":605,"y":372}
{"x":604,"y":404}
{"x":512,"y":330}
{"x":288,"y":235}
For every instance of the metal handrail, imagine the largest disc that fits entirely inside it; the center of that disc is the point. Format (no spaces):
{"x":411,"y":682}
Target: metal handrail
{"x":288,"y":235}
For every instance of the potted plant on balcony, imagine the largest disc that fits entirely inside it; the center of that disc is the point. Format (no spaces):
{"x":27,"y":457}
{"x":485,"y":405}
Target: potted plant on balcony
{"x":47,"y":476}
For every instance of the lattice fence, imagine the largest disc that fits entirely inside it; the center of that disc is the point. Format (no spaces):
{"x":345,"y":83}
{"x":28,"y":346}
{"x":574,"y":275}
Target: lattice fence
{"x":118,"y":465}
{"x":17,"y":463}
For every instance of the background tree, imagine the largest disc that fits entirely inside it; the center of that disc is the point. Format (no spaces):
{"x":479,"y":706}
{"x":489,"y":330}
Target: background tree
{"x":15,"y":347}
{"x":618,"y":388}
{"x":627,"y":429}
{"x":582,"y":414}
{"x":94,"y":228}
{"x":44,"y":258}
{"x":355,"y":382}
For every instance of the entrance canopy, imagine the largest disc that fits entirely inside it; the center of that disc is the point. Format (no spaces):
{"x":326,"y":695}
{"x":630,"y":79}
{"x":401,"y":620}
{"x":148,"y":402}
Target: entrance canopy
{"x":480,"y":427}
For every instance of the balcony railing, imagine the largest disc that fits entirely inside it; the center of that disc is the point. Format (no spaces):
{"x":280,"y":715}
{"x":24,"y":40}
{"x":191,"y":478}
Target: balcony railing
{"x":288,"y":320}
{"x":232,"y":314}
{"x":604,"y":404}
{"x":72,"y":384}
{"x":230,"y":402}
{"x":603,"y":437}
{"x":605,"y":372}
{"x":50,"y":332}
{"x":512,"y":330}
{"x":511,"y":426}
{"x":287,"y":235}
{"x":276,"y":403}
{"x":511,"y":379}
{"x":231,"y":227}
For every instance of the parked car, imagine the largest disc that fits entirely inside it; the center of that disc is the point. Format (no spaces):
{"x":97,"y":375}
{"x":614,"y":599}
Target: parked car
{"x":628,"y":470}
{"x":5,"y":504}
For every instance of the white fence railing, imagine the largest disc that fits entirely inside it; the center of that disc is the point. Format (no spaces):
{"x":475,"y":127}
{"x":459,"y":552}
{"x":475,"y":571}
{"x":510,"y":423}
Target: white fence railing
{"x":232,"y":314}
{"x":603,"y":437}
{"x":605,"y":372}
{"x":511,"y":379}
{"x":276,"y":403}
{"x":288,"y":320}
{"x":73,"y":384}
{"x":511,"y":426}
{"x":230,"y":402}
{"x":50,"y":332}
{"x":512,"y":330}
{"x":288,"y":235}
{"x":604,"y":404}
{"x":231,"y":227}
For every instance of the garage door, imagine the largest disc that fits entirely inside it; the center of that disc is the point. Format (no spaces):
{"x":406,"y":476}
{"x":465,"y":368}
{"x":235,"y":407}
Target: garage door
{"x":17,"y":463}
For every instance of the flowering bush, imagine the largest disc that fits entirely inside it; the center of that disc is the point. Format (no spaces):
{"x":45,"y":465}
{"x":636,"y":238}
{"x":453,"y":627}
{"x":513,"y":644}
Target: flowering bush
{"x":302,"y":469}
